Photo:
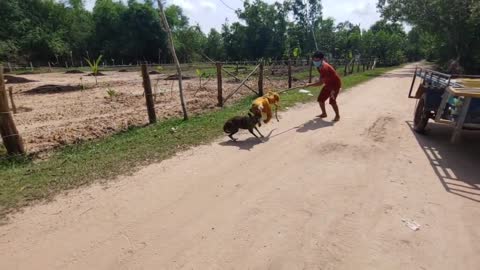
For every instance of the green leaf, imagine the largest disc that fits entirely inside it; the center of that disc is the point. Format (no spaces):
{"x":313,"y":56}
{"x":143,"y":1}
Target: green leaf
{"x":296,"y":52}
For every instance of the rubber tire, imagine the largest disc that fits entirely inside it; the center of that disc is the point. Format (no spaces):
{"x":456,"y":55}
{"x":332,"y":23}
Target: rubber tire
{"x":420,"y":119}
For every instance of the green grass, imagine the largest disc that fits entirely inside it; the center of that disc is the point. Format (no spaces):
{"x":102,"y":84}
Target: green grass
{"x":24,"y":180}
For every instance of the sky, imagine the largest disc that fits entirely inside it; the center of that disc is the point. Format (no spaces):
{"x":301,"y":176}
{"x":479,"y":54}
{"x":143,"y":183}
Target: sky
{"x":212,"y":13}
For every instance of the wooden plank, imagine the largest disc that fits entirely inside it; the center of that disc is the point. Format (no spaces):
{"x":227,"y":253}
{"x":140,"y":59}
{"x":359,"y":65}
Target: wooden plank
{"x":260,"y":79}
{"x":152,"y":117}
{"x":443,"y":104}
{"x":289,"y":73}
{"x":229,"y":73}
{"x":219,"y":85}
{"x":465,"y":92}
{"x":461,"y":119}
{"x":241,"y":84}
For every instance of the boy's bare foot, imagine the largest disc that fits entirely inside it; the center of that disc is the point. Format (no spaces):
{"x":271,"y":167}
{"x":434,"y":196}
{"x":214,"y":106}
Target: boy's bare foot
{"x":323,"y":115}
{"x":336,"y":119}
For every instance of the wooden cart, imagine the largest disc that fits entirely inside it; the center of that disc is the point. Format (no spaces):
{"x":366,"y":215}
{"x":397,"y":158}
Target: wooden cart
{"x":447,"y":99}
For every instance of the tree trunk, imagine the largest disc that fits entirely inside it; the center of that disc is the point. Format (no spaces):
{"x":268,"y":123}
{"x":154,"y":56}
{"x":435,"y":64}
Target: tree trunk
{"x":8,"y":131}
{"x":166,"y":28}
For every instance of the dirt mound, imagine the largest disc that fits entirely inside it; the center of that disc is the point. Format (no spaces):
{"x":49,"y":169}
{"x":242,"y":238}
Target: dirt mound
{"x":154,"y":72}
{"x":53,"y":89}
{"x":98,"y":74}
{"x":12,"y":79}
{"x":175,"y":77}
{"x":74,"y":71}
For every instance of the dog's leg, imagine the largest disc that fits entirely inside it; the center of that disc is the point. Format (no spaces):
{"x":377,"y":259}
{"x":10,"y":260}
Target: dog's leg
{"x":276,"y":114}
{"x":251,"y":131}
{"x":231,"y":137}
{"x":259,"y":132}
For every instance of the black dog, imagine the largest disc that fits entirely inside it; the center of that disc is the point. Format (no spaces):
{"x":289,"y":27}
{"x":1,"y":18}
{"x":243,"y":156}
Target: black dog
{"x":242,"y":122}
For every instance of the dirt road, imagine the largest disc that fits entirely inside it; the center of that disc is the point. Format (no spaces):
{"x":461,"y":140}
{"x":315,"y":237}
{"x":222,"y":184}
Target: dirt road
{"x":314,"y":196}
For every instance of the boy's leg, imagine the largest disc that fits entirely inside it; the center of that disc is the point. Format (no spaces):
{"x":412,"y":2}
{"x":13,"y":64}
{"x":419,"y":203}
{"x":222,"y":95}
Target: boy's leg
{"x":322,"y":107}
{"x":337,"y":114}
{"x":333,"y":102}
{"x":324,"y":95}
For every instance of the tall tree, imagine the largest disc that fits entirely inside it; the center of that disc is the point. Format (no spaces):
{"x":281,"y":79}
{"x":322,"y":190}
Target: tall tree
{"x":214,"y":47}
{"x":454,"y":23}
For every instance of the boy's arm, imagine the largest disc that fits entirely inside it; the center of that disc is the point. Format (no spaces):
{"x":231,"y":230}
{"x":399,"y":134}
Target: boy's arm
{"x":318,"y":83}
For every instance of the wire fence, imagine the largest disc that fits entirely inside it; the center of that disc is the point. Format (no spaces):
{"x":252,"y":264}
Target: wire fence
{"x":251,"y":76}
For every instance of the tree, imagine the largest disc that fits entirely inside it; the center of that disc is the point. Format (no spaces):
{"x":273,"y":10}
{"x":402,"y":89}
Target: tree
{"x":171,"y":46}
{"x":454,"y":24}
{"x":307,"y":17}
{"x":214,"y":47}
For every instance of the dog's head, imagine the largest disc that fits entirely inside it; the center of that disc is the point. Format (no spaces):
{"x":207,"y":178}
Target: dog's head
{"x":257,"y":110}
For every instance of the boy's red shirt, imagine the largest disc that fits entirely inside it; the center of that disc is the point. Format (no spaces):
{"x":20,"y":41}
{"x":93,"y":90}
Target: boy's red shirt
{"x":329,"y":76}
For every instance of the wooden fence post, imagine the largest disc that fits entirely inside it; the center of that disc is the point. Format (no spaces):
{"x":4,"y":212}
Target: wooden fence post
{"x":219,"y":85}
{"x":310,"y":72}
{"x":49,"y":67}
{"x":358,"y":66}
{"x":9,"y":67}
{"x":260,"y":79}
{"x":289,"y":73}
{"x":66,"y":64}
{"x":10,"y":92}
{"x":31,"y":66}
{"x":11,"y":139}
{"x":345,"y":72}
{"x":152,"y":117}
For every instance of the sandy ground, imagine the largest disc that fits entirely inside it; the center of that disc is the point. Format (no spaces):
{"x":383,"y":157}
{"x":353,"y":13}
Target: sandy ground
{"x":315,"y":195}
{"x":66,"y":113}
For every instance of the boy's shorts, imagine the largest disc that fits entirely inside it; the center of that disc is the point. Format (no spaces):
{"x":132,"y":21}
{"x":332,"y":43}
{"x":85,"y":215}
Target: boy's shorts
{"x":329,"y":92}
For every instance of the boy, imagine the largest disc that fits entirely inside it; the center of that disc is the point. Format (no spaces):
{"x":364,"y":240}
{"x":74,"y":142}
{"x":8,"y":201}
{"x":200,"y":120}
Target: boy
{"x":329,"y":77}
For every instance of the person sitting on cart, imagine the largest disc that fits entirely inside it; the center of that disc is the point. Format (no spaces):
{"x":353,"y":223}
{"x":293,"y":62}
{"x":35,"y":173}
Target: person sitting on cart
{"x":332,"y":84}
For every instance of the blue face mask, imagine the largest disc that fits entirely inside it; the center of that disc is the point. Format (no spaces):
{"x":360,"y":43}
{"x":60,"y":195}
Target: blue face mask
{"x":318,"y":64}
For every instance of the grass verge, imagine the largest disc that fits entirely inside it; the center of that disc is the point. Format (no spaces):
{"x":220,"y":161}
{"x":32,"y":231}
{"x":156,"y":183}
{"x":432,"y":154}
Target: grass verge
{"x":23,"y":180}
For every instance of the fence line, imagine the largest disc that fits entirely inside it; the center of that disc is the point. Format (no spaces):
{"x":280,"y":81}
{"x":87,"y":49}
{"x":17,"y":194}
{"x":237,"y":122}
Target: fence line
{"x":293,"y":66}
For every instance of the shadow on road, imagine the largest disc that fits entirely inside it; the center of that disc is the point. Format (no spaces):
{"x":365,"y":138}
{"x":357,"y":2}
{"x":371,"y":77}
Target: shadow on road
{"x":249,"y":143}
{"x":456,"y":165}
{"x":314,"y":124}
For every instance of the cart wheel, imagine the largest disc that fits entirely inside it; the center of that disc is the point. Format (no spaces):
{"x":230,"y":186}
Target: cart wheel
{"x":420,"y":120}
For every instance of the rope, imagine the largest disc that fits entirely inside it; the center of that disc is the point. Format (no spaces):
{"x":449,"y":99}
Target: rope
{"x":12,"y":135}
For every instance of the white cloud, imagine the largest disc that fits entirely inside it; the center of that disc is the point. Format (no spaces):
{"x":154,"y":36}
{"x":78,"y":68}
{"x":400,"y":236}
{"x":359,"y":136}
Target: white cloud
{"x":364,"y":9}
{"x":186,"y":5}
{"x":208,"y":6}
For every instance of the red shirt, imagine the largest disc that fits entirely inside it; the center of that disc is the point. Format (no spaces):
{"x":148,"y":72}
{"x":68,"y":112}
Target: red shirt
{"x":329,"y":76}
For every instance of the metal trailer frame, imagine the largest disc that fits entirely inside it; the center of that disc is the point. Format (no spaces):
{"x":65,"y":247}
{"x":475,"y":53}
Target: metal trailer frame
{"x":433,"y":94}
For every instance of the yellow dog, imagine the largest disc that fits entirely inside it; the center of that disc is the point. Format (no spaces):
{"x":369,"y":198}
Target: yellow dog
{"x":263,"y":106}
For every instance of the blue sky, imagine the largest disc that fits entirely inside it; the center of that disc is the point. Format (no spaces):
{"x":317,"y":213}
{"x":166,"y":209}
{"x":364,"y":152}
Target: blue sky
{"x":212,"y":13}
